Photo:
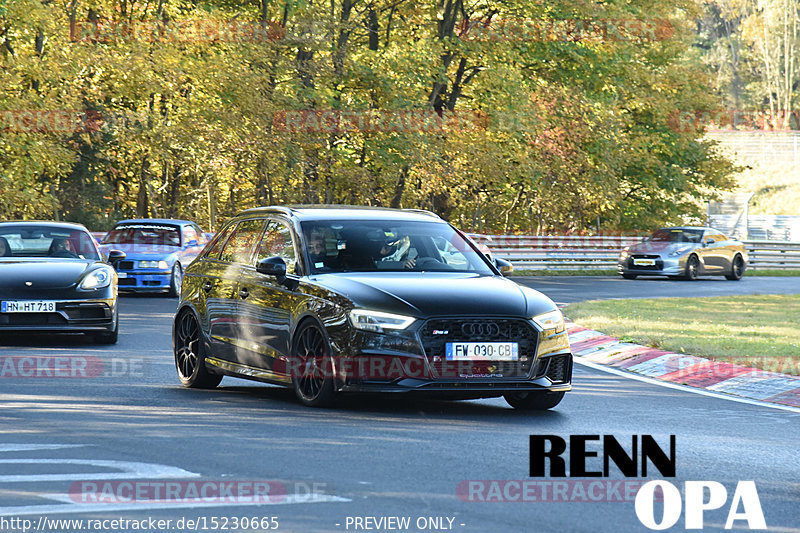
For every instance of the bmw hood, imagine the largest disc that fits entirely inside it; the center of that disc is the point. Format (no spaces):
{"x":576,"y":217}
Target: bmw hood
{"x":16,"y":274}
{"x":438,"y":294}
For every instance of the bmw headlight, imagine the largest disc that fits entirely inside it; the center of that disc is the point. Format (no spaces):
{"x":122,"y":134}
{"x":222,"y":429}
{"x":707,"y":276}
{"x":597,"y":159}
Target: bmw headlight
{"x":96,"y":279}
{"x":154,"y":264}
{"x":680,"y":251}
{"x":551,"y":321}
{"x":378,"y":321}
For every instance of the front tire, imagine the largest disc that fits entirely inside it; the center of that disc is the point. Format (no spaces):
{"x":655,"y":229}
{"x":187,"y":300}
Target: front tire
{"x":534,"y":401}
{"x":175,"y":281}
{"x":312,"y":375}
{"x":189,"y":359}
{"x":629,"y":276}
{"x":737,"y":269}
{"x":692,"y":267}
{"x":111,"y":337}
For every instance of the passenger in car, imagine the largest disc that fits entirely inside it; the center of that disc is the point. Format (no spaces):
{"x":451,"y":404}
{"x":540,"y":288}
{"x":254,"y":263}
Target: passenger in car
{"x":5,"y":248}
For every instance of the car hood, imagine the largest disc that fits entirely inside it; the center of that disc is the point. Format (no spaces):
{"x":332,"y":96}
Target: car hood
{"x":142,"y":251}
{"x":437,"y":293}
{"x":42,"y":274}
{"x":649,"y":247}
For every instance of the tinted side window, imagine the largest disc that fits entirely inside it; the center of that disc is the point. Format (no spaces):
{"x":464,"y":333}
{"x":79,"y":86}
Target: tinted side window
{"x":218,"y":242}
{"x":277,"y":241}
{"x":240,"y":245}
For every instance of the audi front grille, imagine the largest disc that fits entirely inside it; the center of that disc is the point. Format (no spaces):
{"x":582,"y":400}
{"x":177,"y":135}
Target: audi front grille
{"x":436,"y":333}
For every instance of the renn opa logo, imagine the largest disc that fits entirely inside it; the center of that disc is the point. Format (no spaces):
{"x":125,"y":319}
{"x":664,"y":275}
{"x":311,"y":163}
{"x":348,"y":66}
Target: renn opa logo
{"x":697,"y":498}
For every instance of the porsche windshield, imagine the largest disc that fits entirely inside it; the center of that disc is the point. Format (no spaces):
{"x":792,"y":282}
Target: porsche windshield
{"x":388,"y":245}
{"x":159,"y":235}
{"x":46,"y":241}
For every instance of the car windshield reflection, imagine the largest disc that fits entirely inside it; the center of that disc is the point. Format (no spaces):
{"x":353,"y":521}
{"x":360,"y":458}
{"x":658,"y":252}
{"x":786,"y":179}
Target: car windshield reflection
{"x":396,"y":246}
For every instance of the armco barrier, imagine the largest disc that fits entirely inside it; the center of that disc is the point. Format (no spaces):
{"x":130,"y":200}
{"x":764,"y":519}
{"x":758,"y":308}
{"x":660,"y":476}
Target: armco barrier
{"x":527,"y":252}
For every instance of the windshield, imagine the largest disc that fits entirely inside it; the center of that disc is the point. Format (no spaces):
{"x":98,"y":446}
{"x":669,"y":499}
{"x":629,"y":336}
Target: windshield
{"x":388,"y":245}
{"x":159,"y":235}
{"x":46,"y":241}
{"x":677,"y":235}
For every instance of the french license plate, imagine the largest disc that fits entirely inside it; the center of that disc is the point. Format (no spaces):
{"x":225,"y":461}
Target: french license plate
{"x":122,"y":274}
{"x":482,"y":351}
{"x":28,"y":306}
{"x":644,"y":262}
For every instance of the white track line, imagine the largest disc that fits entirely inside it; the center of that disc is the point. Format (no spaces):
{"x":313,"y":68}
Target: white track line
{"x":685,"y":388}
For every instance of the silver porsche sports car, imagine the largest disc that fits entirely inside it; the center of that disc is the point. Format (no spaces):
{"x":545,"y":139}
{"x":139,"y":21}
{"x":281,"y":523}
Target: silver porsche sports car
{"x":684,"y":252}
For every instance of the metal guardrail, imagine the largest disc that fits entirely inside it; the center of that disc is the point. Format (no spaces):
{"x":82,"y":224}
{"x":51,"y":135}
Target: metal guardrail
{"x":601,"y":252}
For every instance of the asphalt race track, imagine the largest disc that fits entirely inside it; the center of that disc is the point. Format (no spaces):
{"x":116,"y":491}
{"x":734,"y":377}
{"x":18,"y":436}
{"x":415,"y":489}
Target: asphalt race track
{"x":128,"y":418}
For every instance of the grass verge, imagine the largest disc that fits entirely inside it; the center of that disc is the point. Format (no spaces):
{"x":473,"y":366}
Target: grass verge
{"x":756,"y":331}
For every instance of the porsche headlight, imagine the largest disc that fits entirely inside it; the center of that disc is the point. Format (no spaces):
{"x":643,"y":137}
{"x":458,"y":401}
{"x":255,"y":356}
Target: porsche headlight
{"x":154,"y":264}
{"x":96,"y":279}
{"x":378,"y":321}
{"x":552,"y":321}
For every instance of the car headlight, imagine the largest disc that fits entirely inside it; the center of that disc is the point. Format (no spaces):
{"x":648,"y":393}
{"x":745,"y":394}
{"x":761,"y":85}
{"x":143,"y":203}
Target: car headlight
{"x":553,"y":320}
{"x":154,"y":264}
{"x":680,"y":251}
{"x":96,"y":279}
{"x":624,"y":254}
{"x":378,"y":321}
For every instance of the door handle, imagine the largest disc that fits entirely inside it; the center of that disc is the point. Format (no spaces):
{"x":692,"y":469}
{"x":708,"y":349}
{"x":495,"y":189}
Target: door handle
{"x":244,"y":293}
{"x":207,"y":286}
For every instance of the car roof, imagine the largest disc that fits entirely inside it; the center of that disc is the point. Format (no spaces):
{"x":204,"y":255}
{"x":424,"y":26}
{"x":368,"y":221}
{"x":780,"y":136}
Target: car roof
{"x":173,"y":221}
{"x":319,"y":212}
{"x":47,"y":223}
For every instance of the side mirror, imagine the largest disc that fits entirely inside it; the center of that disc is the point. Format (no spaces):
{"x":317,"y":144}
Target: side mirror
{"x":273,"y":266}
{"x":191,"y":243}
{"x":505,"y":267}
{"x":709,"y":242}
{"x":115,"y":256}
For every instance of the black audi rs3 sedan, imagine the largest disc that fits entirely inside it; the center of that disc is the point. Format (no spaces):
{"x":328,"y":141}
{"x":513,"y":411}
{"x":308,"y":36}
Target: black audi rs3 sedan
{"x":337,"y":299}
{"x":54,"y":279}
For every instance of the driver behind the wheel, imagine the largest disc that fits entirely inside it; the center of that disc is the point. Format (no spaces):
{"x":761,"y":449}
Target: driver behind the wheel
{"x":61,"y":247}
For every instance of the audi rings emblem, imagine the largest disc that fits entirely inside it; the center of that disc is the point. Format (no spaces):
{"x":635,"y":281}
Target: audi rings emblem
{"x":480,"y":329}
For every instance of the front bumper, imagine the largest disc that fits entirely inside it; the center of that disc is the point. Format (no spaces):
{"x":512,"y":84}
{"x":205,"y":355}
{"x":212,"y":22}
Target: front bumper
{"x":144,"y":280}
{"x":70,"y":316}
{"x":414,"y":361}
{"x":665,"y":266}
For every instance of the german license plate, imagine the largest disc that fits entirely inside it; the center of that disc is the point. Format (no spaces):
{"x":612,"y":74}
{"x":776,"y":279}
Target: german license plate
{"x":482,"y":351}
{"x":27,"y":306}
{"x":644,"y":262}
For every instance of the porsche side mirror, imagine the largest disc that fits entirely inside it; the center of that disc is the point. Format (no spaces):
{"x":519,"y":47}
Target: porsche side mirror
{"x":115,"y":256}
{"x":505,"y":267}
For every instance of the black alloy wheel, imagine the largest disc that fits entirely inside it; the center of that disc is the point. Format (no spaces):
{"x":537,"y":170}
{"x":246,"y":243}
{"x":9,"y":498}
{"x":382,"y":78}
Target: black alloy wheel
{"x":189,"y":359}
{"x":312,"y":372}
